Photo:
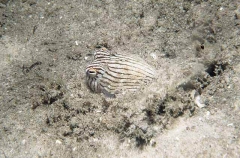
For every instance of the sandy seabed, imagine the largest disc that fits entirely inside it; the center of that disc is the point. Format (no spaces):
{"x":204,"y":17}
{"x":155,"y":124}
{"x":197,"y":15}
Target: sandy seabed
{"x":191,"y":110}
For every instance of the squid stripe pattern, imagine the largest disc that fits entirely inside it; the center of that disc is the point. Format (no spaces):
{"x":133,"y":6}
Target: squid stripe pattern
{"x":112,"y":73}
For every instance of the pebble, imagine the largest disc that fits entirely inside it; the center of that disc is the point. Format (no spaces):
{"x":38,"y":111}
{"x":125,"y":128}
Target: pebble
{"x":74,"y":149}
{"x":154,"y":56}
{"x":58,"y":142}
{"x":23,"y":142}
{"x":153,"y":142}
{"x":76,"y":42}
{"x":197,"y":99}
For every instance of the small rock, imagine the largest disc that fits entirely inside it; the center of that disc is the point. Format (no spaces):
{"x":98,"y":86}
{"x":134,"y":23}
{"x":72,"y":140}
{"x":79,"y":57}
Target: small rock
{"x":74,"y":149}
{"x":58,"y":142}
{"x":23,"y":142}
{"x":154,"y":56}
{"x":153,"y":142}
{"x":76,"y":42}
{"x":197,"y":99}
{"x":221,"y":8}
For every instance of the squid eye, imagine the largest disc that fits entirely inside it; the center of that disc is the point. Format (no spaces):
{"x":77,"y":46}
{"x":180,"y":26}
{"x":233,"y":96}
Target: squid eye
{"x":92,"y":72}
{"x":103,"y":49}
